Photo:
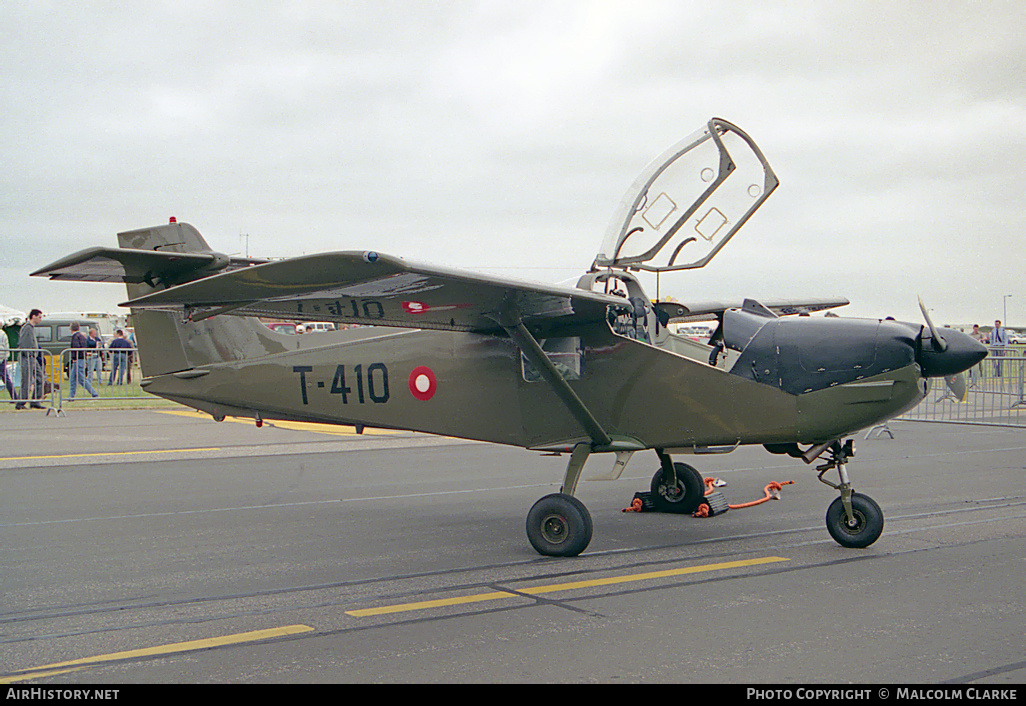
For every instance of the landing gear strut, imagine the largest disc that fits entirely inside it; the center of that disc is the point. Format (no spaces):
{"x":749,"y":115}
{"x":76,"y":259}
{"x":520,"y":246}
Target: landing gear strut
{"x":853,"y":520}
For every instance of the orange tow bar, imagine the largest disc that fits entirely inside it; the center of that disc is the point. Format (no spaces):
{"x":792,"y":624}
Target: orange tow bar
{"x":771,"y":492}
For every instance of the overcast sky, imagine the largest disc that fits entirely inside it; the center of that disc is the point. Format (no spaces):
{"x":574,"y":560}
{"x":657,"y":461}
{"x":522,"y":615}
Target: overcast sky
{"x":500,"y":137}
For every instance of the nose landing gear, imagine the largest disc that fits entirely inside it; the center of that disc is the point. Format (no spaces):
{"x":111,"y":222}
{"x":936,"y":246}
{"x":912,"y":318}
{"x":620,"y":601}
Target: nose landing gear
{"x":853,"y":520}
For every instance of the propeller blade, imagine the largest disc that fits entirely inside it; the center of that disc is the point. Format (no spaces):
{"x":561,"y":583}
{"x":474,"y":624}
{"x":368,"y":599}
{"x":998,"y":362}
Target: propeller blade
{"x":939,"y":344}
{"x":956,"y":383}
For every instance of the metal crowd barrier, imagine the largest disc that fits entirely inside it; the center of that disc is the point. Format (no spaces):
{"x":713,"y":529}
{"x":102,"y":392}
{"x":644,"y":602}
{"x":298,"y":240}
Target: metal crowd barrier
{"x":41,"y":385}
{"x":112,"y":374}
{"x":995,"y":393}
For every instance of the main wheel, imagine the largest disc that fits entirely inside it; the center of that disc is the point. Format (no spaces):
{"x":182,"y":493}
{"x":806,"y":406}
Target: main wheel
{"x":866,"y":529}
{"x":682,"y":497}
{"x":559,"y":525}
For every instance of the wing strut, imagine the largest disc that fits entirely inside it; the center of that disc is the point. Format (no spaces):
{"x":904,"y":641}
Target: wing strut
{"x":534,"y":353}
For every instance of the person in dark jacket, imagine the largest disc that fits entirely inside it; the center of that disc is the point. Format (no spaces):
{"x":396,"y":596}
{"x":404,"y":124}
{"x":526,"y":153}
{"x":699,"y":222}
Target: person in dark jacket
{"x":119,"y":348}
{"x":79,"y":345}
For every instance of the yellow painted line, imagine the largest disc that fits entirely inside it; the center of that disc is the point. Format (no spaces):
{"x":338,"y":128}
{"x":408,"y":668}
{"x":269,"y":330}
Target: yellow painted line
{"x":652,"y":575}
{"x":552,"y":588}
{"x":108,"y":453}
{"x":172,"y":648}
{"x":37,"y":675}
{"x":440,"y":603}
{"x":334,"y":429}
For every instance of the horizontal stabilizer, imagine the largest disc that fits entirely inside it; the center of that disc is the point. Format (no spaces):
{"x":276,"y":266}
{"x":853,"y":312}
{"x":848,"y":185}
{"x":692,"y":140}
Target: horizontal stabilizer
{"x":131,"y":266}
{"x":368,"y":288}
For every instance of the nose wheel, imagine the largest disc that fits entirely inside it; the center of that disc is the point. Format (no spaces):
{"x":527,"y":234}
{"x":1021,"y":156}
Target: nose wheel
{"x":864,"y":526}
{"x":854,"y":520}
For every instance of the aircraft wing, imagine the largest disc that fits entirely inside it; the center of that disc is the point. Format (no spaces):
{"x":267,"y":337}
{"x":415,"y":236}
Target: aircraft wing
{"x":706,"y":311}
{"x":380,"y":290}
{"x":134,"y":266}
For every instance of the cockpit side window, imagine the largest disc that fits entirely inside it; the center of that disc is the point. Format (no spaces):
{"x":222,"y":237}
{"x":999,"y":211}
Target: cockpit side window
{"x":565,"y":353}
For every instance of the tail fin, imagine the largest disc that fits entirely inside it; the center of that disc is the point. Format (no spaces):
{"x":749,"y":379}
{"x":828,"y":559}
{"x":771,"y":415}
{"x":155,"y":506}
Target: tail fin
{"x":173,"y":237}
{"x":167,"y":344}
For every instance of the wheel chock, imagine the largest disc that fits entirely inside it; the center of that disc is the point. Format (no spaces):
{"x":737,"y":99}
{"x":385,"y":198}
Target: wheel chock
{"x":642,"y":503}
{"x":715,"y":504}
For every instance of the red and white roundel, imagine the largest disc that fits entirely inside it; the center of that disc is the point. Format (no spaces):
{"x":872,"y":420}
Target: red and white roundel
{"x":415,"y":307}
{"x":423,"y":383}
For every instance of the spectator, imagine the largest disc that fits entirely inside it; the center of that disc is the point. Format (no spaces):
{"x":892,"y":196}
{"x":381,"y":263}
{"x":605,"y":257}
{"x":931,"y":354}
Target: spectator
{"x":119,"y":348}
{"x":94,"y":359}
{"x":31,"y":362}
{"x":79,"y":344}
{"x":998,"y":343}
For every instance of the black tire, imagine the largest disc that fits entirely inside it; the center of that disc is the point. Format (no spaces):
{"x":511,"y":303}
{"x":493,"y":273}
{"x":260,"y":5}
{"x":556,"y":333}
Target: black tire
{"x":559,"y":525}
{"x":869,"y":522}
{"x":682,"y":498}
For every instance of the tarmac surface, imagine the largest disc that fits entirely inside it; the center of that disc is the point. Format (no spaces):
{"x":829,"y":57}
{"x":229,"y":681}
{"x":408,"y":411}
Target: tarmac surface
{"x":162,"y":547}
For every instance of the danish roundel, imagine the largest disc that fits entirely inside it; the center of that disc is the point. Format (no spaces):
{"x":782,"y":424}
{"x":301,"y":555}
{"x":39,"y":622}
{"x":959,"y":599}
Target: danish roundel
{"x":423,"y":383}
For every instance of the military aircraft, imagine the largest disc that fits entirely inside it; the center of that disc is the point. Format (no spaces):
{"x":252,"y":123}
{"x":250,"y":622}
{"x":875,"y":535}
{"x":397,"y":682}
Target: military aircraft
{"x":591,"y":369}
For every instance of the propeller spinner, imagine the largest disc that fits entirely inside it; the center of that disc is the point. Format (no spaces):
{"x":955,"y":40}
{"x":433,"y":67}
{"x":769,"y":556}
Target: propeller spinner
{"x":947,"y":354}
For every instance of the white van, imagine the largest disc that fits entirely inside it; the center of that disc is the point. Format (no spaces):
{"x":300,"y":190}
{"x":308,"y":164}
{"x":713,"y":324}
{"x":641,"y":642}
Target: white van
{"x":318,"y":326}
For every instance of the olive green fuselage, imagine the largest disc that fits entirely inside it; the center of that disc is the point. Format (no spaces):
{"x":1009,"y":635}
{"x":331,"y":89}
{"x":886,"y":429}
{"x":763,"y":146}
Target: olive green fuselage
{"x":480,"y":387}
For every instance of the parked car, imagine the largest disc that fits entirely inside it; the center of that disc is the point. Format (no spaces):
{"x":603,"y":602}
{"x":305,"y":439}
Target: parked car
{"x":282,"y":326}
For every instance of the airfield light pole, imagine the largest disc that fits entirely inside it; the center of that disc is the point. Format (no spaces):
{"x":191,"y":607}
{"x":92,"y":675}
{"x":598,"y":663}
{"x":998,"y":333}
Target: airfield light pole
{"x":1004,"y":301}
{"x":246,"y":236}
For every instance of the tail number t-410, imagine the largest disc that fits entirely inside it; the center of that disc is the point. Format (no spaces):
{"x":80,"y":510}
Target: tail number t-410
{"x":371,"y":383}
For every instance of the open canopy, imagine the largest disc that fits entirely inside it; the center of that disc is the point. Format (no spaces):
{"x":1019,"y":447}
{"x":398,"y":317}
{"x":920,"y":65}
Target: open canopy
{"x":689,"y":202}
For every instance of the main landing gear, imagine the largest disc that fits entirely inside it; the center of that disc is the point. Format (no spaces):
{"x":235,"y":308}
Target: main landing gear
{"x":560,"y":524}
{"x":676,"y":487}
